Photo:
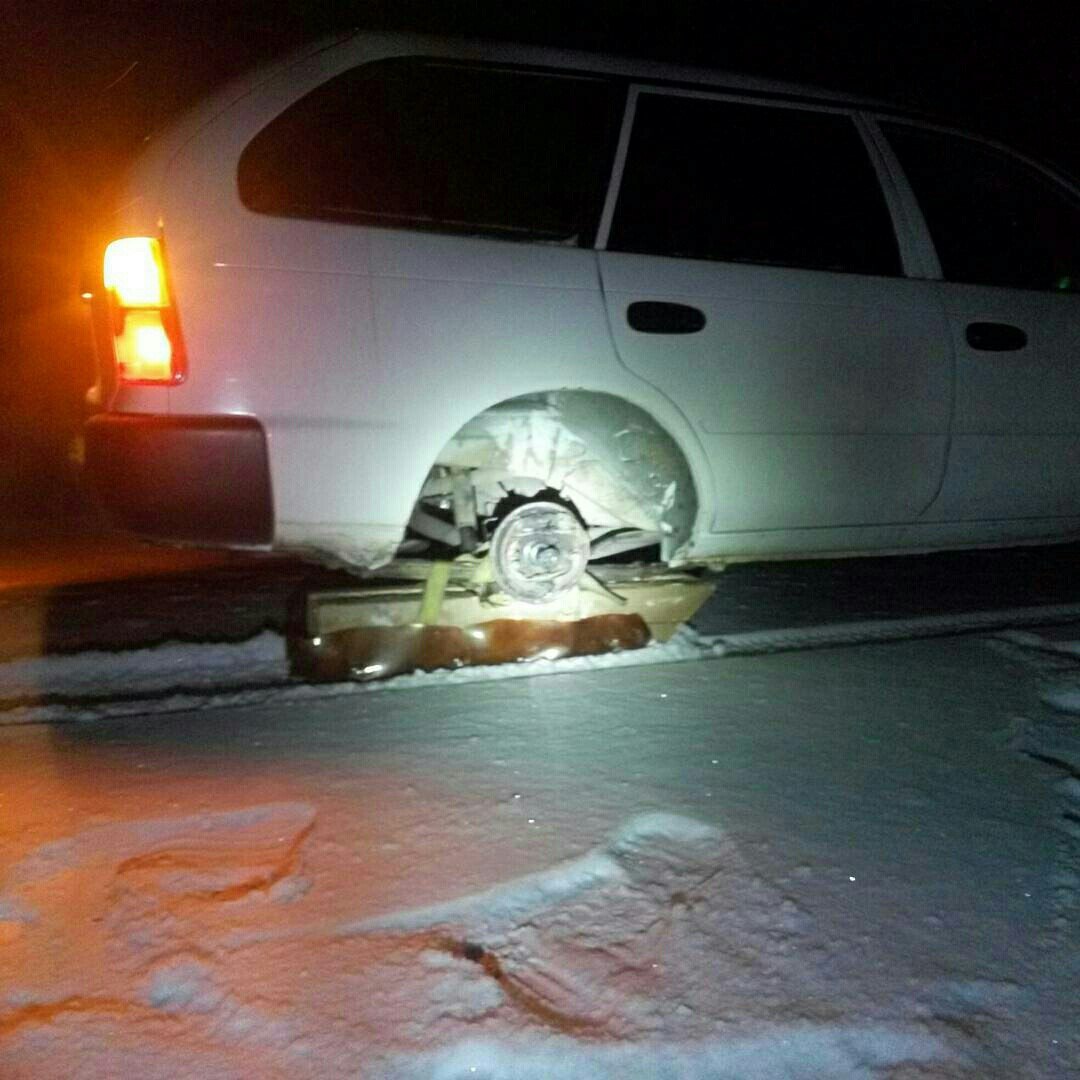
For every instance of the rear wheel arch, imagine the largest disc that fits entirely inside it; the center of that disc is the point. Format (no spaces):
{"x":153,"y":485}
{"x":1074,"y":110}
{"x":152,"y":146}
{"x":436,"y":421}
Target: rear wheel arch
{"x":613,"y":460}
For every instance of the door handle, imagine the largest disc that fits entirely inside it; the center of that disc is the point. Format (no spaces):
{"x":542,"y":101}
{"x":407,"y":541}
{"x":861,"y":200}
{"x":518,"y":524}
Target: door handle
{"x":656,"y":317}
{"x":995,"y":337}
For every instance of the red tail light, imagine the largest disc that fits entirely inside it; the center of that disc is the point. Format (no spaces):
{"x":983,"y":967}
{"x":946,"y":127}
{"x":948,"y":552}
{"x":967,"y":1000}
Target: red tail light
{"x":146,"y":334}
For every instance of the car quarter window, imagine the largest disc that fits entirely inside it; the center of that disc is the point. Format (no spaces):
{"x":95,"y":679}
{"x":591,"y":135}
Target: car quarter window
{"x":436,"y":145}
{"x":712,"y":179}
{"x":994,"y":219}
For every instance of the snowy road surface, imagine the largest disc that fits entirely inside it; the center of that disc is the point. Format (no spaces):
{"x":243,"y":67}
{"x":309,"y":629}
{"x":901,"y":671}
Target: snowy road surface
{"x":860,"y":862}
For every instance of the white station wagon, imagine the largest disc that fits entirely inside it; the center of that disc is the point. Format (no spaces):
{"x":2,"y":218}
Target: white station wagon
{"x":400,"y":295}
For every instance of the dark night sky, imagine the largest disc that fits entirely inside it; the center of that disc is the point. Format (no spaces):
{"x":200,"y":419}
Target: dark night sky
{"x":81,"y":83}
{"x":1008,"y":67}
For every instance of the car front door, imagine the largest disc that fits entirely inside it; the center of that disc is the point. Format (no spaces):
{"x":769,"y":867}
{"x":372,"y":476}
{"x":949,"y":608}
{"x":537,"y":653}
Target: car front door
{"x":752,"y":272}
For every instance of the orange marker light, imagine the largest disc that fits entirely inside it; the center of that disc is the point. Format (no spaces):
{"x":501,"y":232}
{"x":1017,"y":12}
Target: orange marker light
{"x":146,"y":338}
{"x":143,"y":349}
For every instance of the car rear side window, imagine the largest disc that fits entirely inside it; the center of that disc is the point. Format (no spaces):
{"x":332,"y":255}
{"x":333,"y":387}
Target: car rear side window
{"x":435,"y":145}
{"x":994,"y":219}
{"x":710,"y":179}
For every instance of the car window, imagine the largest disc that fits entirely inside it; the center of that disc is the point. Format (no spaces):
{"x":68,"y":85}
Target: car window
{"x":709,"y":179}
{"x":426,"y":144}
{"x":994,"y":219}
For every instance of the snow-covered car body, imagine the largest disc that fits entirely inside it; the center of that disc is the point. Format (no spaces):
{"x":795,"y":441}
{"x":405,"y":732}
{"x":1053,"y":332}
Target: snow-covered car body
{"x":734,"y":318}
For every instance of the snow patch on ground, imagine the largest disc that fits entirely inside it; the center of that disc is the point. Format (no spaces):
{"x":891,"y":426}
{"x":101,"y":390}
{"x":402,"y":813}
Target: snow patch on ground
{"x":183,"y":986}
{"x":187,"y":677}
{"x":649,"y":937}
{"x":606,"y":865}
{"x":10,"y":911}
{"x":461,"y":991}
{"x":188,"y":986}
{"x":1051,"y":735}
{"x":797,"y":1053}
{"x":512,"y":901}
{"x":1063,"y":698}
{"x":227,"y":855}
{"x":129,"y":672}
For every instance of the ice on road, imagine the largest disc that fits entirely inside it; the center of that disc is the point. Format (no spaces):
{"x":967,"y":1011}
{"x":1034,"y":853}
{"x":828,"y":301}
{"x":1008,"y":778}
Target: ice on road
{"x":849,"y":863}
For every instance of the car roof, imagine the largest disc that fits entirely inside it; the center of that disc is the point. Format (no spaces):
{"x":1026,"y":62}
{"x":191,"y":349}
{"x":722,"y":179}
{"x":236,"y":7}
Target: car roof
{"x":359,"y":46}
{"x":332,"y":55}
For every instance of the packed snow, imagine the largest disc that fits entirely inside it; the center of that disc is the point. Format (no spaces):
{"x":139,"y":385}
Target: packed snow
{"x":852,"y":863}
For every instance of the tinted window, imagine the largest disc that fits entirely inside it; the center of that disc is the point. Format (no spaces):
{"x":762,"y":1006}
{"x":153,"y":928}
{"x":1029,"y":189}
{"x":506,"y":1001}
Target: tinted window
{"x":994,"y":219}
{"x":716,"y":180}
{"x":431,"y":145}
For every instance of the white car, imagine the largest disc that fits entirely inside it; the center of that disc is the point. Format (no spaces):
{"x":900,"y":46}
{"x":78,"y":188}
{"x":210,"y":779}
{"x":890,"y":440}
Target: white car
{"x":399,"y":294}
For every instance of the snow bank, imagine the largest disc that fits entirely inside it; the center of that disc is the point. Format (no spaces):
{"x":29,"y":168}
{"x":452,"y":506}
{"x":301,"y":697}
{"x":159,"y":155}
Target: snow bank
{"x":604,"y":865}
{"x":179,"y":677}
{"x":145,"y":671}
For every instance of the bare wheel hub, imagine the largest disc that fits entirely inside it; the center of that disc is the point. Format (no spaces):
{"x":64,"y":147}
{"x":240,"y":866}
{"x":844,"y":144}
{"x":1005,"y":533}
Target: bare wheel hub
{"x":538,"y":551}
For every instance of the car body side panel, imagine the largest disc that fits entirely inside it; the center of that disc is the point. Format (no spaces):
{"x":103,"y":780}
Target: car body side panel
{"x":528,"y":320}
{"x":822,"y":399}
{"x":1016,"y":439}
{"x":1014,"y":455}
{"x":362,"y":351}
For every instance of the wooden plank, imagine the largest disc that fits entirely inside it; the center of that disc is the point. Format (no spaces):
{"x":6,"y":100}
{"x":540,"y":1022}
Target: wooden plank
{"x":663,"y":602}
{"x":377,"y":631}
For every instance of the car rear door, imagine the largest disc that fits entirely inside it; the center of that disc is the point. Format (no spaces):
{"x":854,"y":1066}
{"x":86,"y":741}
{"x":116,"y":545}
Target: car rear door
{"x":752,"y":271}
{"x":1007,"y":235}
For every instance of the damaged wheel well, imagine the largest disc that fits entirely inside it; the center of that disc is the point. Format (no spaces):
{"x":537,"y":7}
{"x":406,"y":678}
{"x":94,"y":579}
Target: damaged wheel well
{"x":610,"y":458}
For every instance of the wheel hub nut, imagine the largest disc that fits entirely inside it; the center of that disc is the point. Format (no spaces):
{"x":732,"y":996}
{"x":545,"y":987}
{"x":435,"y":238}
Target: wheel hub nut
{"x":538,"y":551}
